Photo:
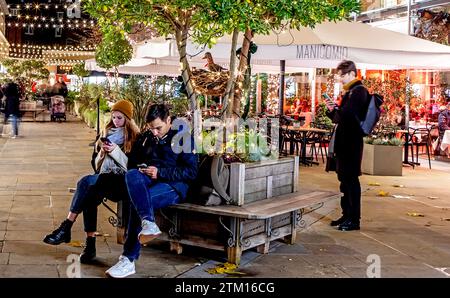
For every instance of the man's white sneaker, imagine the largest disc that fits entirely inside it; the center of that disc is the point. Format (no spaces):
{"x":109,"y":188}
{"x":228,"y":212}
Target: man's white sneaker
{"x":149,"y":232}
{"x":123,"y":268}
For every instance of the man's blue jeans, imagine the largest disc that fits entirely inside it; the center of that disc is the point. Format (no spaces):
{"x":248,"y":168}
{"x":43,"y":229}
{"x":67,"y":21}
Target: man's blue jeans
{"x":146,"y":196}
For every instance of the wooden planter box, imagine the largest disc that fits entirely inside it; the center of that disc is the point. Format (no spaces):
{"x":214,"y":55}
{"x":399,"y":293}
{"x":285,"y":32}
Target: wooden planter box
{"x":256,"y":181}
{"x":382,"y":160}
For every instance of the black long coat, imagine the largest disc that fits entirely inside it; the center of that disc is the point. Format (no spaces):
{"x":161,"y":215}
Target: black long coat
{"x":12,"y":100}
{"x":349,"y":137}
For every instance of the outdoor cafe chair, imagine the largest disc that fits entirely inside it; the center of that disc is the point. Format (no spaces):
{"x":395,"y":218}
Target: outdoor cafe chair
{"x":290,"y":142}
{"x":421,"y":137}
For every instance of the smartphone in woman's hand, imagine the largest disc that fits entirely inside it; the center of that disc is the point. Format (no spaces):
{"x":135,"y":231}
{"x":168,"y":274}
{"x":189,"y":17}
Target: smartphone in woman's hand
{"x":105,"y":140}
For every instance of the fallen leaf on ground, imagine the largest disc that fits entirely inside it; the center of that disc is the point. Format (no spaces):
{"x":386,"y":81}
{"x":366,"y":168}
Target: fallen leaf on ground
{"x":428,"y":224}
{"x":432,"y":198}
{"x":374,"y":184}
{"x":398,"y":185}
{"x":415,"y":214}
{"x":383,"y":193}
{"x":445,"y":219}
{"x":227,"y":268}
{"x":401,"y":197}
{"x":101,"y":234}
{"x":75,"y":243}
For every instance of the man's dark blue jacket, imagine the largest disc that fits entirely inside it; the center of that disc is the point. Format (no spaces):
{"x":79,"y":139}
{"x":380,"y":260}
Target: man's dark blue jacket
{"x":175,"y":169}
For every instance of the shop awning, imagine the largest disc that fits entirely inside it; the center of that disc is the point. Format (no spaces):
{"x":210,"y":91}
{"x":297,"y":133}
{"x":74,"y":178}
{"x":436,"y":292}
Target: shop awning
{"x":324,"y":46}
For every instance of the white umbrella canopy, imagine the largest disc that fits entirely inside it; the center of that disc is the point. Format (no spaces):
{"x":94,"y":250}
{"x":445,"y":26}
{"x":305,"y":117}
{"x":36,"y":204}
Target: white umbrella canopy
{"x":324,"y":46}
{"x":139,"y":66}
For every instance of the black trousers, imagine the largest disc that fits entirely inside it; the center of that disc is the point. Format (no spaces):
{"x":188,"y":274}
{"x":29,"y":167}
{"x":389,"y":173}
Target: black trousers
{"x":351,"y":200}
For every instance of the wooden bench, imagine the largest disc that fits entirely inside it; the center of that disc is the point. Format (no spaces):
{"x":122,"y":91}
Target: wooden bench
{"x":267,"y":205}
{"x":234,"y":229}
{"x":26,"y":107}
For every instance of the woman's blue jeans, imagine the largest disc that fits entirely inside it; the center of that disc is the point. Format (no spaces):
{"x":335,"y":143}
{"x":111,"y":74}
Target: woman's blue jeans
{"x":146,"y":196}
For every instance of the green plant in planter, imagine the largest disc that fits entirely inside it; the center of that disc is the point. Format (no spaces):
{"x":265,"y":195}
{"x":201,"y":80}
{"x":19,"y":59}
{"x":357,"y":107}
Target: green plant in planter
{"x":383,"y":141}
{"x":253,"y":145}
{"x":395,"y":142}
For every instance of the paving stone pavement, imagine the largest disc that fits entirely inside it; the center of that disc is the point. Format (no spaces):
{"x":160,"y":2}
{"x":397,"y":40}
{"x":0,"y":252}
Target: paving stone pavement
{"x":37,"y":169}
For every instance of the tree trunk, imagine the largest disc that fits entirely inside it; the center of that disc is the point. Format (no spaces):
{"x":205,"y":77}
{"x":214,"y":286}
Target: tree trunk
{"x":181,"y":39}
{"x":229,"y":90}
{"x":116,"y":78}
{"x":248,"y":35}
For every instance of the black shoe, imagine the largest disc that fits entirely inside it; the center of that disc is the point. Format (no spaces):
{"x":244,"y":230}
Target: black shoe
{"x":339,"y":221}
{"x":60,"y":235}
{"x":349,"y":225}
{"x":89,"y":252}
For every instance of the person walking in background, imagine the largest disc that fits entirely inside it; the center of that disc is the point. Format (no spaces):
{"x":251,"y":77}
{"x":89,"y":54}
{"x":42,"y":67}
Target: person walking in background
{"x":12,"y":109}
{"x":158,"y":177}
{"x":348,"y":144}
{"x":109,"y":181}
{"x":60,"y":88}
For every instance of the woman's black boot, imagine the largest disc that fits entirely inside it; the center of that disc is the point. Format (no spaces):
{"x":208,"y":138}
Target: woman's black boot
{"x":61,"y":234}
{"x":89,"y":252}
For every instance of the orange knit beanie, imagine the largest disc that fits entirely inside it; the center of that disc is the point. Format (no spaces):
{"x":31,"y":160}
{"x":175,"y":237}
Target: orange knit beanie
{"x":125,"y":107}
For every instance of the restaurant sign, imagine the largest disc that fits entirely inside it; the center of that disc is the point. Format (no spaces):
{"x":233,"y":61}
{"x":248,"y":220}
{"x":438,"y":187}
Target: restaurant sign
{"x":319,"y":51}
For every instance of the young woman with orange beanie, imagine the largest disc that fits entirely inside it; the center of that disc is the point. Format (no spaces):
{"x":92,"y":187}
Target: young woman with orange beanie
{"x":110,"y":166}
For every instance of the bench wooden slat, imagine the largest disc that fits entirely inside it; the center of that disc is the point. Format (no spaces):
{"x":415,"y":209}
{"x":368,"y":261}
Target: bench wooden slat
{"x":285,"y":199}
{"x":265,"y":208}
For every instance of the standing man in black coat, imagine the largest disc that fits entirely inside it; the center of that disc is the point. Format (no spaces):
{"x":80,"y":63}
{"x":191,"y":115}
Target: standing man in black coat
{"x":12,"y":109}
{"x":348,"y":146}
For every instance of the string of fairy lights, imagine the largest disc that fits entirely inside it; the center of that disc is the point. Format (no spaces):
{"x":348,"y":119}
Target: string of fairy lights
{"x":31,"y":15}
{"x":48,"y":47}
{"x":45,"y":52}
{"x":272,"y":96}
{"x":37,"y":6}
{"x":70,"y":24}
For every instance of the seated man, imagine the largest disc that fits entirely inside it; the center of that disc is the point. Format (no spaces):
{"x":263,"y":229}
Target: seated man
{"x":158,"y":177}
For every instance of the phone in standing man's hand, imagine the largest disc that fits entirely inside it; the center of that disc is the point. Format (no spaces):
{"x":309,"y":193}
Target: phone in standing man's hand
{"x":328,"y":101}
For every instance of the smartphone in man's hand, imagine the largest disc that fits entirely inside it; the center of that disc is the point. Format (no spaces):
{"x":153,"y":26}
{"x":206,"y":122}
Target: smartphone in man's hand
{"x":329,"y":101}
{"x":142,"y":166}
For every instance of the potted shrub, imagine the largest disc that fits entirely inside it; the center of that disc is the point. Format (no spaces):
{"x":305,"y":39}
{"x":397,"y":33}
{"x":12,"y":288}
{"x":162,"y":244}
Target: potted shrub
{"x":382,"y":156}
